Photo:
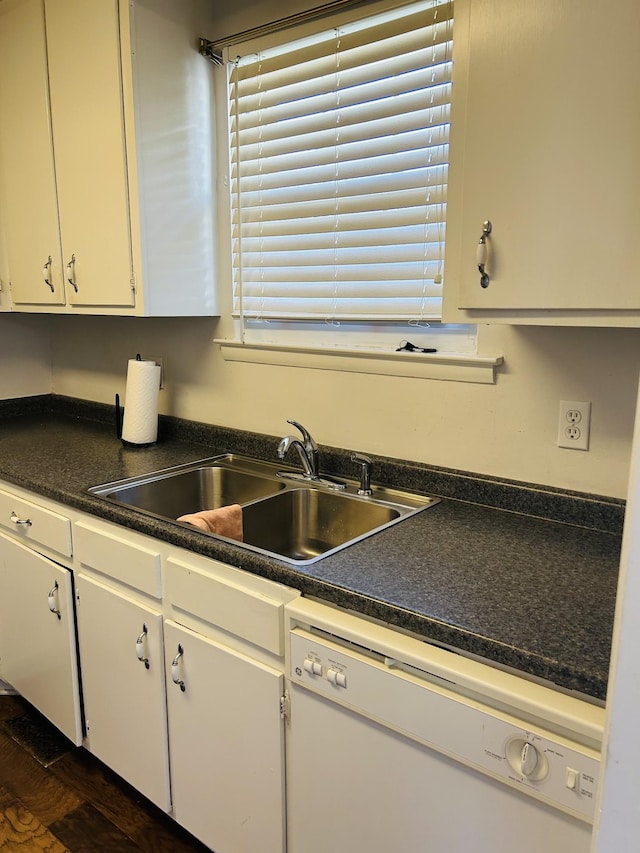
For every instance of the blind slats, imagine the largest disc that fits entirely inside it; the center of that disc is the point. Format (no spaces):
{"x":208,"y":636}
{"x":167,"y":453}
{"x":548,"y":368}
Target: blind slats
{"x":371,"y":193}
{"x":409,"y":25}
{"x":407,"y":112}
{"x":312,"y":78}
{"x":348,"y":169}
{"x":339,"y":158}
{"x":366,"y":157}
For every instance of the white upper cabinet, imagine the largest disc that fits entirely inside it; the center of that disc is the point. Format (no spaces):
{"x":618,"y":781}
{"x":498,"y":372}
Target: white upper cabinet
{"x":545,"y":140}
{"x":90,"y":151}
{"x":106,"y":152}
{"x":29,"y":200}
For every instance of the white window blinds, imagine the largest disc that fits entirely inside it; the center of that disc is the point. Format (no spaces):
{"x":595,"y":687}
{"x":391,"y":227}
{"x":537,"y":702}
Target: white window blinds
{"x":339,"y":150}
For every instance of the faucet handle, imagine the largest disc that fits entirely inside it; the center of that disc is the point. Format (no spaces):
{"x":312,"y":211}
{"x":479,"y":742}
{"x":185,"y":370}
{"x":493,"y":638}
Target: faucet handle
{"x":365,"y":472}
{"x":306,"y":435}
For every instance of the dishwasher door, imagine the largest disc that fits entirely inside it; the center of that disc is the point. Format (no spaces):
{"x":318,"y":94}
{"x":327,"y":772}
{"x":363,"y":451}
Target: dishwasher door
{"x":384,"y":756}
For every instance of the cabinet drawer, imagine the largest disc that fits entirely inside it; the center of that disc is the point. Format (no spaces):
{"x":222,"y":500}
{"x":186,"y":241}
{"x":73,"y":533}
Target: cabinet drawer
{"x":119,"y":558}
{"x":245,"y":613}
{"x":34,"y":524}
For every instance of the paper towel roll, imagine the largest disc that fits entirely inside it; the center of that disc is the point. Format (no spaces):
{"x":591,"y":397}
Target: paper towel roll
{"x":140,"y":423}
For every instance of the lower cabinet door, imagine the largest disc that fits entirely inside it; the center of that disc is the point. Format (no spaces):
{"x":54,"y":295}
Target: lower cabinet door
{"x":121,"y":655}
{"x":226,"y":743}
{"x":37,"y":635}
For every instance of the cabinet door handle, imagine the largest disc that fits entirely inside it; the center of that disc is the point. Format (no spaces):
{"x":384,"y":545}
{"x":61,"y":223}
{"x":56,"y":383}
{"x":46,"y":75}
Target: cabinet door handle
{"x":46,"y":272}
{"x":481,"y":254}
{"x":53,"y":600}
{"x":175,"y":669}
{"x":71,"y":273}
{"x":141,"y":648}
{"x":17,"y":520}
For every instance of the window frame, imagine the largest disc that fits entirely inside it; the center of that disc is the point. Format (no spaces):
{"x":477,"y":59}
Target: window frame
{"x":355,"y":346}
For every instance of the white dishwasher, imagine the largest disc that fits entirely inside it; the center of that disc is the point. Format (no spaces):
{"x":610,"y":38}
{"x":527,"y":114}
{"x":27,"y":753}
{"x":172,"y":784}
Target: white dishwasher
{"x":398,"y":746}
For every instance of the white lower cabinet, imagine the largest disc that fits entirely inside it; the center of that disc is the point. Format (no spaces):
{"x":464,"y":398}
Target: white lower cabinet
{"x":38,"y":635}
{"x":123,"y":686}
{"x":182,"y":661}
{"x":226,"y":744}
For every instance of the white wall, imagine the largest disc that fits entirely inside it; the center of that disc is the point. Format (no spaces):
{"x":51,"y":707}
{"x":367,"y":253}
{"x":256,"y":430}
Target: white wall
{"x":233,"y":18}
{"x":507,"y":429}
{"x":25,"y":356}
{"x":25,"y":345}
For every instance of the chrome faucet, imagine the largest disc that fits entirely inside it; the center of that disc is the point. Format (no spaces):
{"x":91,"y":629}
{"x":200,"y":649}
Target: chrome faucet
{"x":308,"y":452}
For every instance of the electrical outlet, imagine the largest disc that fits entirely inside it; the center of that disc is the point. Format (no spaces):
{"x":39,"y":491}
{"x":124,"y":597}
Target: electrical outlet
{"x":574,"y":424}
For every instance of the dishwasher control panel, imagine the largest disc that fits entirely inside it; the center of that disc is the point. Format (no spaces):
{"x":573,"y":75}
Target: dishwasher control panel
{"x":433,"y":711}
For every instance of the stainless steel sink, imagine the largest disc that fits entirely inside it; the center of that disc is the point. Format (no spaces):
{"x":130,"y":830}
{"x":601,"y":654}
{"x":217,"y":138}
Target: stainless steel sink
{"x":303,"y":524}
{"x":187,"y":489}
{"x":289,"y":519}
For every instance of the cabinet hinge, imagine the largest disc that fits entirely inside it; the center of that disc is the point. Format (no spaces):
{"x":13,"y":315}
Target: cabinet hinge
{"x":87,"y":727}
{"x":285,"y":706}
{"x":132,"y":281}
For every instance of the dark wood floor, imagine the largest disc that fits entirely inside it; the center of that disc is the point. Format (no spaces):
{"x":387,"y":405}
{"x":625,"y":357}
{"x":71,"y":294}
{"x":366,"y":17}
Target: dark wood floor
{"x":76,"y":804}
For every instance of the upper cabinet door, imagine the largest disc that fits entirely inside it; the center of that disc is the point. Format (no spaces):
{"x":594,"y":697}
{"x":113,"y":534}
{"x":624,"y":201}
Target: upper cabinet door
{"x":106,"y":150}
{"x":30,"y":212}
{"x":545,"y":141}
{"x":85,"y":80}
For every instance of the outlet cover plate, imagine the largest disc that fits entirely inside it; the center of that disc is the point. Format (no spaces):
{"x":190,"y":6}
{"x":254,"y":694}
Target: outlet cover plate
{"x":574,"y":424}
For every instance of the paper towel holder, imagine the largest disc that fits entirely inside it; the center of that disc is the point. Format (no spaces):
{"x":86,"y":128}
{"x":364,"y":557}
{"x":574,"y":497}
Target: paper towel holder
{"x":119,"y":417}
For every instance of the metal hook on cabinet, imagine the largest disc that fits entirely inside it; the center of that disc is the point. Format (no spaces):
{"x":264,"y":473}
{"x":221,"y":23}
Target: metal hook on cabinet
{"x":481,"y":254}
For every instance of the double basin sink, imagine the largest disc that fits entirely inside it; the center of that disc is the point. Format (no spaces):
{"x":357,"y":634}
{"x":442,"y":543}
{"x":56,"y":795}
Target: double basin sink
{"x":296,"y":520}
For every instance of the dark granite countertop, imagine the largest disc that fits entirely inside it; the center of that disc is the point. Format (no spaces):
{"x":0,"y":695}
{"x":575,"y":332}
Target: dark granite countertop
{"x":522,"y":576}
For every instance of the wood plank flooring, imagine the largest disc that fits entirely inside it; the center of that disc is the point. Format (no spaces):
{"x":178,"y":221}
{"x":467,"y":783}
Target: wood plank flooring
{"x":76,"y":804}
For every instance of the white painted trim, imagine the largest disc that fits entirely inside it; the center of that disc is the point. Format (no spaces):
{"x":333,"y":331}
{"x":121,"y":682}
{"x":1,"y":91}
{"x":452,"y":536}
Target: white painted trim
{"x":617,"y":819}
{"x":453,"y":367}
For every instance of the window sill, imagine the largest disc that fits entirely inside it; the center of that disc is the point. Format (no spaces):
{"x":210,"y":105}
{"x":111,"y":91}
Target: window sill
{"x":453,"y":367}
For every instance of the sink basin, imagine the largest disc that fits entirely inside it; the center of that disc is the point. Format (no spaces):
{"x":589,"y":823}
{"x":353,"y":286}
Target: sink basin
{"x":302,"y":524}
{"x":171,"y":494}
{"x":284,"y":518}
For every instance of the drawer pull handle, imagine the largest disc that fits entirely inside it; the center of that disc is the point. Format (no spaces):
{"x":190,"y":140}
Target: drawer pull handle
{"x":53,"y":600}
{"x":17,"y":520}
{"x":141,"y":648}
{"x":175,"y":669}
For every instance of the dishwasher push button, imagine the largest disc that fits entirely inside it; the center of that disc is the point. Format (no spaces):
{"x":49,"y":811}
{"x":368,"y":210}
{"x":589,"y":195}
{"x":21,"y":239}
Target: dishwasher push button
{"x":336,"y":677}
{"x":572,"y":777}
{"x":313,"y":667}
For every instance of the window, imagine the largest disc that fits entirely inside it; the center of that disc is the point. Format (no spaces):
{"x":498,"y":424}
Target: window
{"x":339,"y":163}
